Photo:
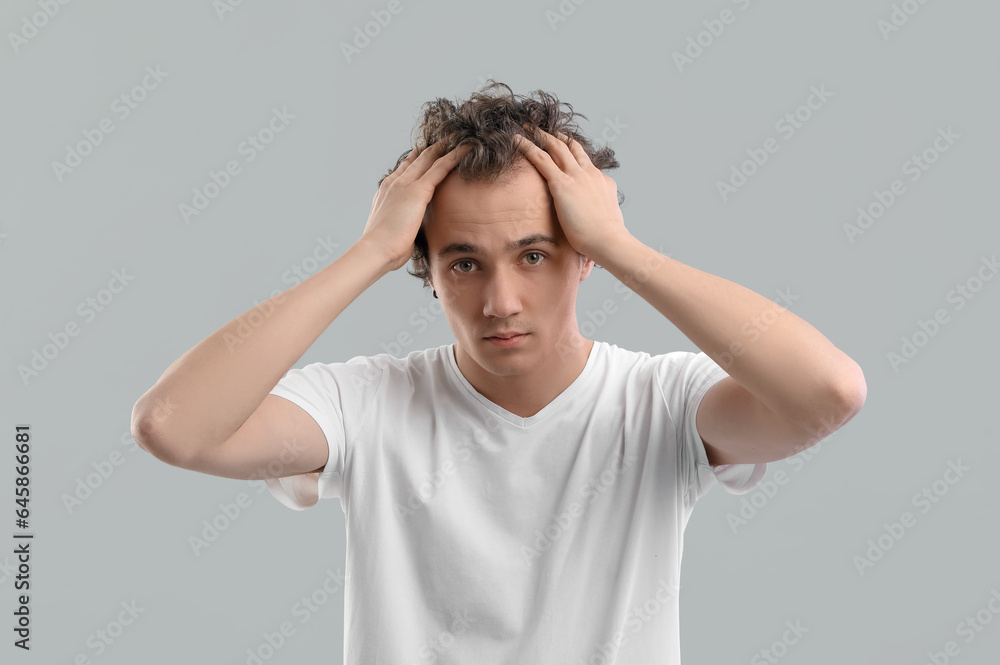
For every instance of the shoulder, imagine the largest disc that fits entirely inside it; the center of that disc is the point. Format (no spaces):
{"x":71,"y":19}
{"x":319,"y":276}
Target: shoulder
{"x":620,"y":368}
{"x":371,"y":368}
{"x":413,"y":367}
{"x":640,"y":362}
{"x":415,"y":362}
{"x":616,"y":356}
{"x":672,"y":371}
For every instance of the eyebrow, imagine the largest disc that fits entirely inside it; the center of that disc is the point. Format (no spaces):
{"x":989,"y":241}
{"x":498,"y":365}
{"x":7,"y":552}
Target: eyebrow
{"x":467,"y":248}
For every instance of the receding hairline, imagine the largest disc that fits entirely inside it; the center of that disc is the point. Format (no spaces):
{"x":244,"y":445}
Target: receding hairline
{"x":503,"y":180}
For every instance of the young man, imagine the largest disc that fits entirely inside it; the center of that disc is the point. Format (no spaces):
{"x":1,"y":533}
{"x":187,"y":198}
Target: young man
{"x":520,"y":495}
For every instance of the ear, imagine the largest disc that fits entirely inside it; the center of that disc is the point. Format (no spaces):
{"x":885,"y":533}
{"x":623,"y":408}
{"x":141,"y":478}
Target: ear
{"x":586,"y":265}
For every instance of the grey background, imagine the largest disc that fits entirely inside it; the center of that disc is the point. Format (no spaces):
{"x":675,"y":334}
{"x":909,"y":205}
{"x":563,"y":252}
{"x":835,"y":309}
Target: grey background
{"x":783,"y":230}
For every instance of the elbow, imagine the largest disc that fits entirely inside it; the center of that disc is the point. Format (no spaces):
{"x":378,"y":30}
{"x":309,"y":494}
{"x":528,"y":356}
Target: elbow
{"x":143,"y":432}
{"x":852,"y":392}
{"x":832,"y":410}
{"x":844,"y":401}
{"x":148,"y":424}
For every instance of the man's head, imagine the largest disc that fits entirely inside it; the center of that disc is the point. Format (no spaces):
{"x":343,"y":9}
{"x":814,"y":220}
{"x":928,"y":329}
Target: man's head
{"x":488,"y":121}
{"x":493,"y":199}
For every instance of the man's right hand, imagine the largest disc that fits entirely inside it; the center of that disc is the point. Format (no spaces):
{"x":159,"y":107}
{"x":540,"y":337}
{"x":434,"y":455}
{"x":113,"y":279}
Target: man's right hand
{"x":223,"y":419}
{"x":401,"y":201}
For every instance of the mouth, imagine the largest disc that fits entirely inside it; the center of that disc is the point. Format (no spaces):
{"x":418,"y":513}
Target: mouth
{"x":507,"y":335}
{"x":507,"y":339}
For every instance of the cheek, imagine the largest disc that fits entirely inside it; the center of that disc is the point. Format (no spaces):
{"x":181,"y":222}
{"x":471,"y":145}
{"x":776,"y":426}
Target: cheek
{"x":570,"y":277}
{"x":569,"y":288}
{"x":455,"y":289}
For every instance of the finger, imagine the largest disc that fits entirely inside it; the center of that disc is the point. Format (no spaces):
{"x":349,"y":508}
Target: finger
{"x":421,"y":146}
{"x":581,"y":156}
{"x":432,"y":151}
{"x":575,"y":149}
{"x":541,"y":159}
{"x":402,"y":166}
{"x":554,"y":147}
{"x":437,"y":171}
{"x":418,"y":161}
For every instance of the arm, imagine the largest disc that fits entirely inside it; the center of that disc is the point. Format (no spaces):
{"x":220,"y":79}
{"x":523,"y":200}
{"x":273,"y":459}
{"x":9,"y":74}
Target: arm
{"x":788,"y":386}
{"x":214,"y":387}
{"x":211,"y":410}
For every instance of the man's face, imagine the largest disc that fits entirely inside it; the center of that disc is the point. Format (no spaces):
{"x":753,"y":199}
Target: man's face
{"x":489,"y":287}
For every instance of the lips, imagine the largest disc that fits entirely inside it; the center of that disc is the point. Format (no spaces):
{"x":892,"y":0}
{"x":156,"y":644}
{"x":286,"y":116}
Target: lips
{"x":506,"y":335}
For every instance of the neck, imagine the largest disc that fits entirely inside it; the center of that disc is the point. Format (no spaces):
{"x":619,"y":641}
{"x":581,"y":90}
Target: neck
{"x":526,"y":393}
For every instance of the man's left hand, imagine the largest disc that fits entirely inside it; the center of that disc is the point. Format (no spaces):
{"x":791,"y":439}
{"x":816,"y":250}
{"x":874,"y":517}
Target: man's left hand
{"x":585,"y":198}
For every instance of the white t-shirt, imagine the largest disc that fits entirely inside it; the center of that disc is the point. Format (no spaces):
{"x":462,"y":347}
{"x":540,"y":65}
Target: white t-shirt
{"x":475,"y":535}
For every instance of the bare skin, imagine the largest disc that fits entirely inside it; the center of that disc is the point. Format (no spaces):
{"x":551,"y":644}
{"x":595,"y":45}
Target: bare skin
{"x":210,"y":411}
{"x":489,"y":287}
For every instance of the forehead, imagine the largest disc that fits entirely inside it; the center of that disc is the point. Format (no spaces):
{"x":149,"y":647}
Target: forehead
{"x":493,"y":213}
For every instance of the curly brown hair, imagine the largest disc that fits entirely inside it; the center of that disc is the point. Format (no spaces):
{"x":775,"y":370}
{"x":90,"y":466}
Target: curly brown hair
{"x":488,"y":120}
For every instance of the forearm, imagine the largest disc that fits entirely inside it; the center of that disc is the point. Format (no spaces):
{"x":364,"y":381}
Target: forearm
{"x":778,"y":357}
{"x":211,"y":390}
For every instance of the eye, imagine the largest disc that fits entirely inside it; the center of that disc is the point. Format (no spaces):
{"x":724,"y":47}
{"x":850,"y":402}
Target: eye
{"x":538,"y":254}
{"x":460,"y":263}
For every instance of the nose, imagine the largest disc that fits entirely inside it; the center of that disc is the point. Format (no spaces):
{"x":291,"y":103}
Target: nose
{"x":503,"y":298}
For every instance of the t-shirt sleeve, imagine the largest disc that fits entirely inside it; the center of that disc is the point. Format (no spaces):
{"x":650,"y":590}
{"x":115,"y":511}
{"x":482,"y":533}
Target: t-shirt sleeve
{"x":337,"y":396}
{"x":685,"y":379}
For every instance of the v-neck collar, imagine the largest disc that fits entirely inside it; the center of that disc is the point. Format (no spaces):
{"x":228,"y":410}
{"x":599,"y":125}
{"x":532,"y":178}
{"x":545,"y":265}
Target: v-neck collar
{"x":513,"y":418}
